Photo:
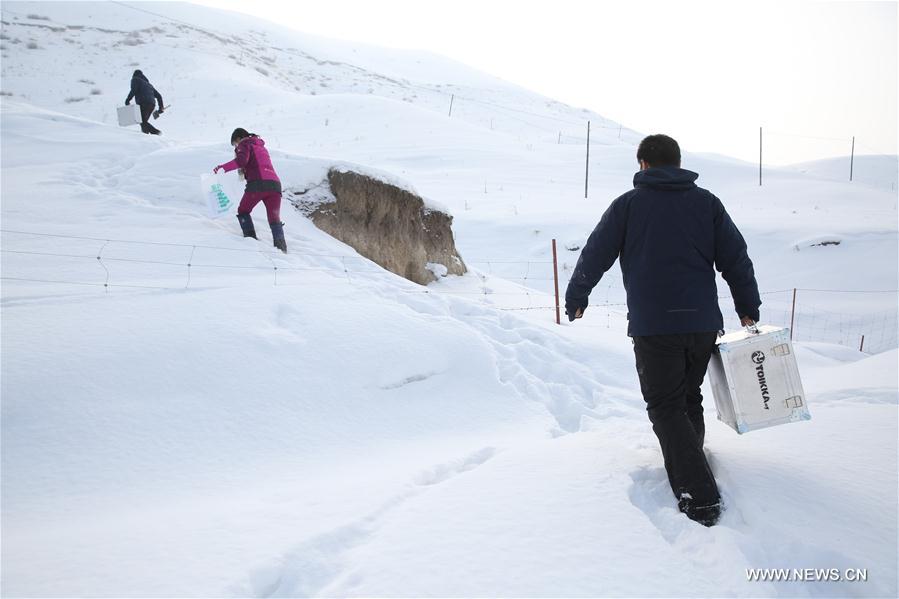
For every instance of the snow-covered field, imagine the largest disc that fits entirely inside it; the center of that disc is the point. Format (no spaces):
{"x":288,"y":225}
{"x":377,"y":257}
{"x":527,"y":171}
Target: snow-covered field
{"x":258,"y":424}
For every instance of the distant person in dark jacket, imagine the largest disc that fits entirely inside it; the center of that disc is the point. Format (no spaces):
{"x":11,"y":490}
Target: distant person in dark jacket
{"x":263,"y":184}
{"x":670,"y":236}
{"x":146,"y":96}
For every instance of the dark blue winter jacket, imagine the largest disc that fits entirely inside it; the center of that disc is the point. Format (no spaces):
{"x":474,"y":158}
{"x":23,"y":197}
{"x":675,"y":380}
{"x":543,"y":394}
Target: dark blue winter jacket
{"x":143,"y":91}
{"x":670,"y":236}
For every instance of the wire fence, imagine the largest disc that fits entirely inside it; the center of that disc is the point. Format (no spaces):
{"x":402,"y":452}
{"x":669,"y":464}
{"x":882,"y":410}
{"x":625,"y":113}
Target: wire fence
{"x":868,"y":320}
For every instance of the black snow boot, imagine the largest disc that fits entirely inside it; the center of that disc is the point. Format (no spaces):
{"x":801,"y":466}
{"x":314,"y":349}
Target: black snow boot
{"x":278,"y":236}
{"x":246,"y":225}
{"x":149,"y":129}
{"x":707,"y":515}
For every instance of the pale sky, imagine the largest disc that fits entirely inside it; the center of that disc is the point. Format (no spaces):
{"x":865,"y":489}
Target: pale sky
{"x":813,"y":74}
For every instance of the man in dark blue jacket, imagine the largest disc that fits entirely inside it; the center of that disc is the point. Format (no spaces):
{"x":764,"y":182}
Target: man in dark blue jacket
{"x":670,"y":236}
{"x":146,"y":96}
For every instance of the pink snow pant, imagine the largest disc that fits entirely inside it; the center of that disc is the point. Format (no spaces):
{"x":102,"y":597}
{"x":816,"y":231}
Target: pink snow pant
{"x":271,"y":199}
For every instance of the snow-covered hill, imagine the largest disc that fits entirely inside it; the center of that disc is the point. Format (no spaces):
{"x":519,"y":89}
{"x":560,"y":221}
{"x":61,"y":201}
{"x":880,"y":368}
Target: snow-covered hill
{"x":878,"y":171}
{"x":187,"y":413}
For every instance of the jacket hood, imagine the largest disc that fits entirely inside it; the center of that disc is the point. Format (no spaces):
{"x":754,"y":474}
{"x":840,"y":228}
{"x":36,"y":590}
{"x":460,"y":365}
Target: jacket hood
{"x":253,"y":140}
{"x":666,"y":177}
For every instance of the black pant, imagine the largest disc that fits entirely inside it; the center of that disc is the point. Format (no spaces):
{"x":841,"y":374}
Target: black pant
{"x":145,"y":111}
{"x":671,"y":369}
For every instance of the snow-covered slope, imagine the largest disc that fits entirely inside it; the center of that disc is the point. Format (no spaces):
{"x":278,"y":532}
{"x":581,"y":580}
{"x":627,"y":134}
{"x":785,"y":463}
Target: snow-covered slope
{"x":215,"y":67}
{"x":879,"y":171}
{"x":188,"y":413}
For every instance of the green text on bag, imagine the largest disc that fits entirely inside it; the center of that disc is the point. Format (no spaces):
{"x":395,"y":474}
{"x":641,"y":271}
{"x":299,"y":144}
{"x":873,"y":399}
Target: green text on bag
{"x":220,"y":194}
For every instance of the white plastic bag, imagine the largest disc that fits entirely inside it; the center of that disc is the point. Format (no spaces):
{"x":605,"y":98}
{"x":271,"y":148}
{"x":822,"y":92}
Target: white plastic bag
{"x":221,"y":192}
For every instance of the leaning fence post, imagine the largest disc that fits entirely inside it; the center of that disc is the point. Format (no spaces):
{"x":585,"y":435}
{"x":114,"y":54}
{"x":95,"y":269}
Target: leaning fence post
{"x":556,"y":282}
{"x":861,"y":346}
{"x":793,"y":314}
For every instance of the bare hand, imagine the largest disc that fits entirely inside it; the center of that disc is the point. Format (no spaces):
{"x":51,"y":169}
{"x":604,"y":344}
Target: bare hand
{"x":746,"y":321}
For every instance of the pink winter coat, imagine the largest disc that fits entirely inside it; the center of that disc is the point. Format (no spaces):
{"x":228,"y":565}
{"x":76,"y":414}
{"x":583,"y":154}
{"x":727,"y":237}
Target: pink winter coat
{"x":253,"y":158}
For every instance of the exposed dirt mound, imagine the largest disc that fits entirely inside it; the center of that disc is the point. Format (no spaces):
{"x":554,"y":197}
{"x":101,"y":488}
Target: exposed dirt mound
{"x":389,"y":226}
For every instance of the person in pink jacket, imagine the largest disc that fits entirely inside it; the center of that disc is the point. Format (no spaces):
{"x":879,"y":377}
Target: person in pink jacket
{"x":263,"y":184}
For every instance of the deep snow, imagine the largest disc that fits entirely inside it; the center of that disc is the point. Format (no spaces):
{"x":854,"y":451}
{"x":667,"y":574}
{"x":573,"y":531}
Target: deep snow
{"x":259,"y":424}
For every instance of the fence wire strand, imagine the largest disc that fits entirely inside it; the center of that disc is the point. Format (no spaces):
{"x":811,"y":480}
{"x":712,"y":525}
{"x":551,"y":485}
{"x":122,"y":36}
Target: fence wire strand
{"x":810,"y":322}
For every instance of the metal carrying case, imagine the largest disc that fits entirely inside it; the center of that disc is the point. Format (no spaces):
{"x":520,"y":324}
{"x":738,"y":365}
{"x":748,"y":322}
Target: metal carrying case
{"x":755,"y":380}
{"x":128,"y":115}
